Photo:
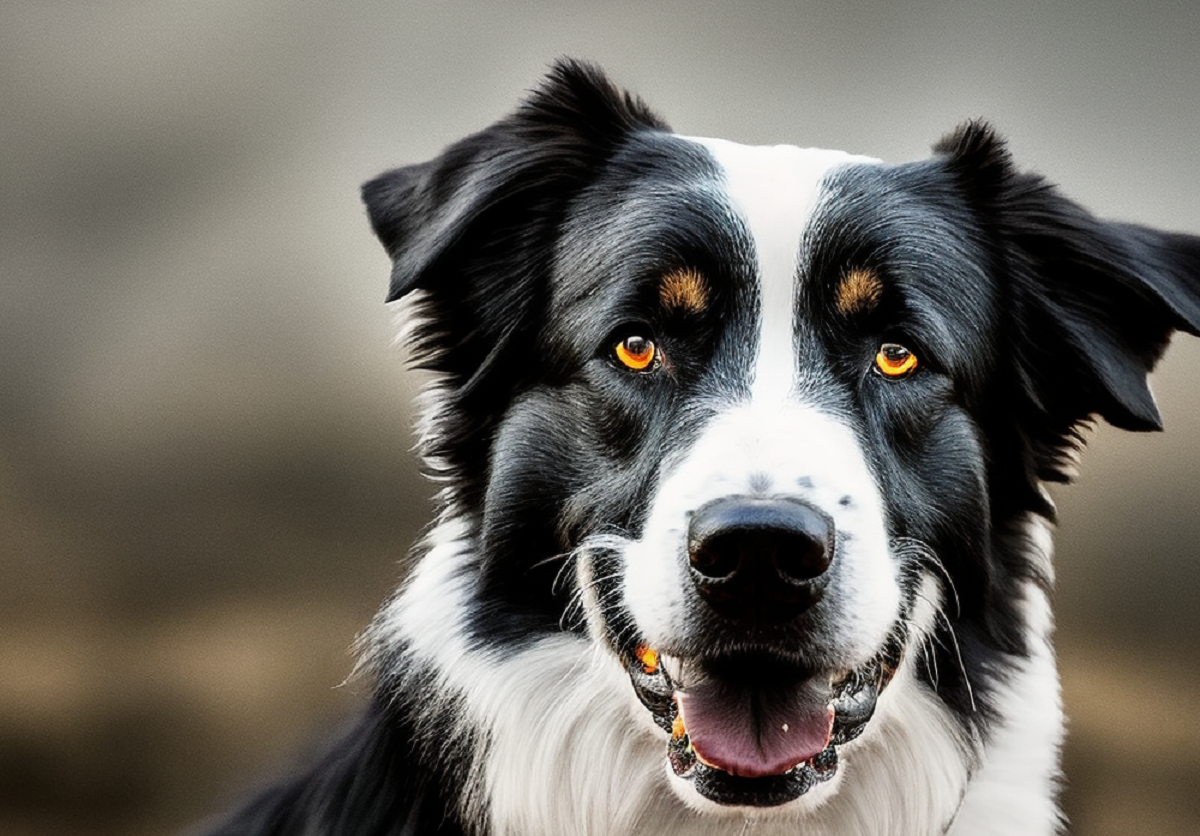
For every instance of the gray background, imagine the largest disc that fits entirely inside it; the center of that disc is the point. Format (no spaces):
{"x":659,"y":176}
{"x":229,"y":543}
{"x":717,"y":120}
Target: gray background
{"x":205,"y":476}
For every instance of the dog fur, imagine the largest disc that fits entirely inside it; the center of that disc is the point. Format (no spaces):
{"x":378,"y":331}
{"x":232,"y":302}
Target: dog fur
{"x":630,"y":331}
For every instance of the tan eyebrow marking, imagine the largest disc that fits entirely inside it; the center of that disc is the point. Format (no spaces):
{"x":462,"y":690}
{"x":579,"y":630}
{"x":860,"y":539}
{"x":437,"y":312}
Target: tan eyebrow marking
{"x":859,"y":291}
{"x":684,"y":289}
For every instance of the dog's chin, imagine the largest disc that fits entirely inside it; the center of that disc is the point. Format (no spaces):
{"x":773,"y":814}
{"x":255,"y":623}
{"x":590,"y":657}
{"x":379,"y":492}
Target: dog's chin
{"x":757,"y":730}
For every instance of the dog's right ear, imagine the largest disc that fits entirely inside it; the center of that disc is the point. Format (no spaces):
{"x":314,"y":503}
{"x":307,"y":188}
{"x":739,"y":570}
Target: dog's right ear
{"x":1091,"y":304}
{"x":483,"y":209}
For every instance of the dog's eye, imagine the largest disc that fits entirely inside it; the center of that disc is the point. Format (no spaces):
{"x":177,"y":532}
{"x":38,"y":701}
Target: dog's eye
{"x":637,"y":353}
{"x":895,"y":361}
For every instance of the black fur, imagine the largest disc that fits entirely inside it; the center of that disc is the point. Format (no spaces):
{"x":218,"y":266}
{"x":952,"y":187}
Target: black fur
{"x":536,"y":241}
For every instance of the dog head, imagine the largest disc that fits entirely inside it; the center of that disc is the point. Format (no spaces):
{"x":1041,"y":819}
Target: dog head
{"x":766,"y":424}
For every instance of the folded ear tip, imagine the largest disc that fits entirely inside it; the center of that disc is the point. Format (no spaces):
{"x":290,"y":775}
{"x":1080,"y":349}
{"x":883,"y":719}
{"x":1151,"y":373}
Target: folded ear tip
{"x":1142,"y":425}
{"x":1142,"y":416}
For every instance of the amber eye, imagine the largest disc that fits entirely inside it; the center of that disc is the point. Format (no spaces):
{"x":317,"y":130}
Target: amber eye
{"x":636,"y":352}
{"x":895,"y":361}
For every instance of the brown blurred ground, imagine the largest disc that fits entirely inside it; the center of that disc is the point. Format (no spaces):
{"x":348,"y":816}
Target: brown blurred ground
{"x":205,"y":483}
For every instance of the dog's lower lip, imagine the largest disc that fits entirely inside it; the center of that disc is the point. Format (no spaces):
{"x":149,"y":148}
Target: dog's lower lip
{"x":769,"y":791}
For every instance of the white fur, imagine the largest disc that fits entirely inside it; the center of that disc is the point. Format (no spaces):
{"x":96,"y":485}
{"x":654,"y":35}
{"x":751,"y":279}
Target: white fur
{"x":775,"y":190}
{"x":556,"y":739}
{"x":770,"y":443}
{"x":561,"y":745}
{"x":1014,"y":790}
{"x":752,"y":449}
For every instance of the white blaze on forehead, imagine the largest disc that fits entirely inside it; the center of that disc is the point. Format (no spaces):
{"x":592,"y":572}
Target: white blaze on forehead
{"x":776,"y":190}
{"x":777,"y":442}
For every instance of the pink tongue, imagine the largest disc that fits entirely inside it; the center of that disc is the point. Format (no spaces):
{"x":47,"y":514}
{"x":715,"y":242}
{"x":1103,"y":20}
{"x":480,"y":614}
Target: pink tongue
{"x":752,"y":732}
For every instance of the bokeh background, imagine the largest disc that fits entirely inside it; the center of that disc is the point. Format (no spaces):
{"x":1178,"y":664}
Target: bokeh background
{"x":206,"y":483}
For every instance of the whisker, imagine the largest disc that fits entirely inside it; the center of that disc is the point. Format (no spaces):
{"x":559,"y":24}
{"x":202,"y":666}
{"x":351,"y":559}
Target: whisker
{"x":575,"y":605}
{"x":920,"y":555}
{"x":940,"y":613}
{"x":612,"y":540}
{"x":923,"y":553}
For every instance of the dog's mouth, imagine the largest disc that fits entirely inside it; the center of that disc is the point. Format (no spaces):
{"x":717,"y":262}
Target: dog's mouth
{"x":756,"y":729}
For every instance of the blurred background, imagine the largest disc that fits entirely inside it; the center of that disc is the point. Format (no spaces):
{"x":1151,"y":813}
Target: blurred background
{"x":206,"y":483}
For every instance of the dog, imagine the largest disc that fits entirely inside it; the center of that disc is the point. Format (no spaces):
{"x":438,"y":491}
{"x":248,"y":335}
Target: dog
{"x":742,"y":454}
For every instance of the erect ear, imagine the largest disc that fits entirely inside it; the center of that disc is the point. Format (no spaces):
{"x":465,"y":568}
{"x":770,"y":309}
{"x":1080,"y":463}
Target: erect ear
{"x":1092,"y":304}
{"x":497,"y":193}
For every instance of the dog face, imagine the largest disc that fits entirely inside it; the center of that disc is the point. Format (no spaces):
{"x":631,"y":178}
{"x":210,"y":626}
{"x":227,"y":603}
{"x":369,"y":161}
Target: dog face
{"x":767,"y":425}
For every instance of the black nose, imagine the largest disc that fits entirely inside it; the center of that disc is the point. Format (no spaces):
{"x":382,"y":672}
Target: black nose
{"x":762,"y":560}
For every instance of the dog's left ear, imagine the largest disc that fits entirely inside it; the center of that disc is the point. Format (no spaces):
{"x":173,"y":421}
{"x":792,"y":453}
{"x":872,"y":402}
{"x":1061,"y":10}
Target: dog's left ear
{"x":498,"y":186}
{"x":476,"y":227}
{"x":1091,"y":305}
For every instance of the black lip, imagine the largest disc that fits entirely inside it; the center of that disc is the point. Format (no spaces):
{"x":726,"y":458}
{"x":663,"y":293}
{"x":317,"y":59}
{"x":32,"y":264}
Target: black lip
{"x":655,"y":690}
{"x":854,"y":702}
{"x":771,"y":791}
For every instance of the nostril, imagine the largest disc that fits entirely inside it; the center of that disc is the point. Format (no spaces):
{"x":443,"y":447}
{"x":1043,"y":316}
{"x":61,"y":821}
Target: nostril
{"x":802,"y":556}
{"x":716,"y":557}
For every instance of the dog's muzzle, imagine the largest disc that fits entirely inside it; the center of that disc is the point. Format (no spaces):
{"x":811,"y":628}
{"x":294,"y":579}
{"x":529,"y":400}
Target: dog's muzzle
{"x":752,"y":721}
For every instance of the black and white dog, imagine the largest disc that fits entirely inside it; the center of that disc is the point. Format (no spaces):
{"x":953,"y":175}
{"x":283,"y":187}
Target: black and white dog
{"x":742,"y":524}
